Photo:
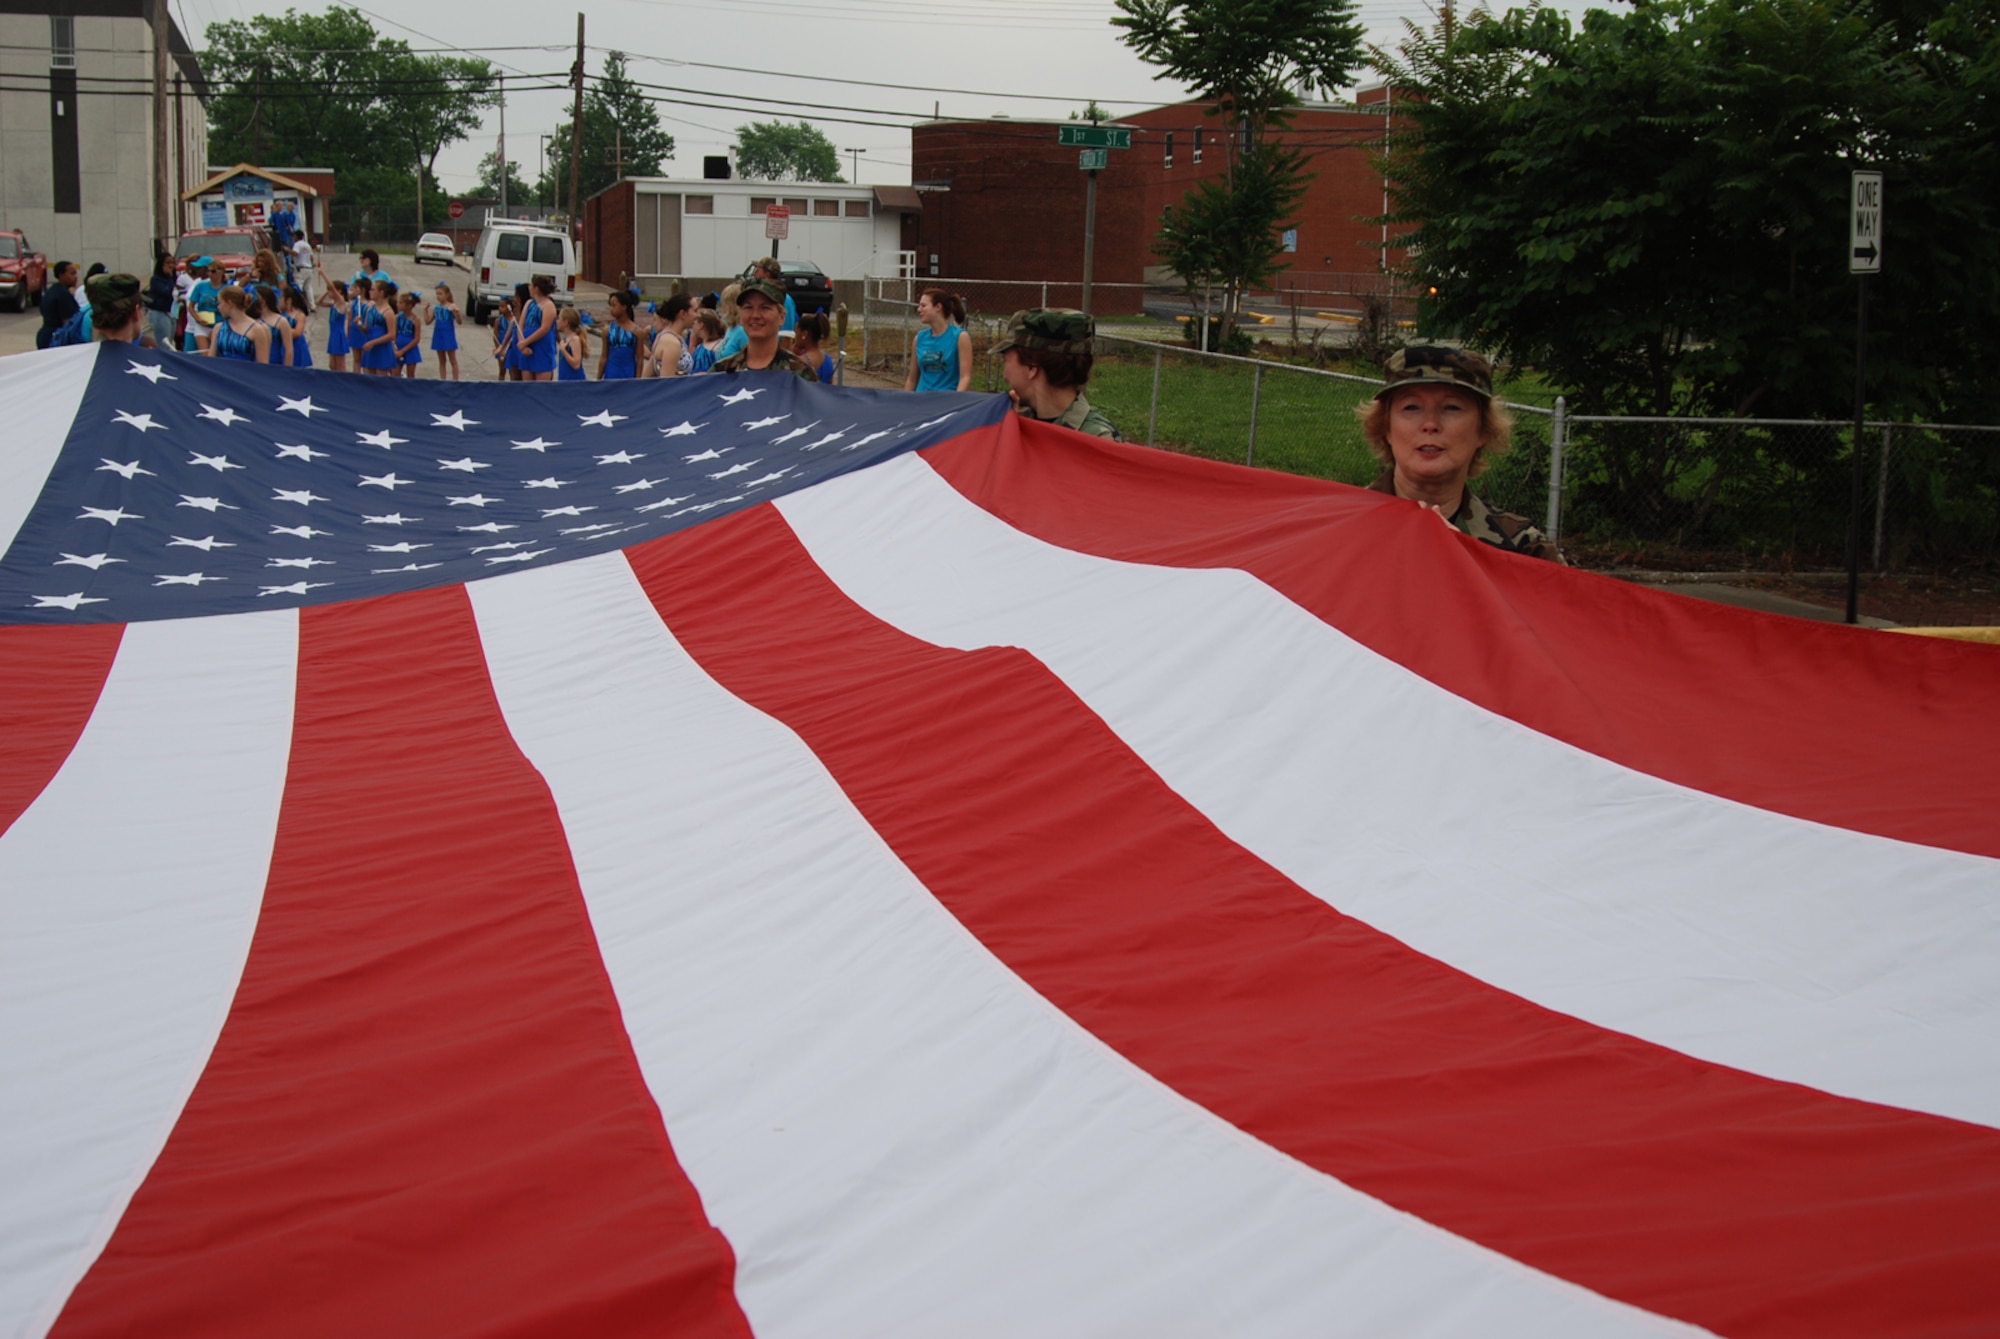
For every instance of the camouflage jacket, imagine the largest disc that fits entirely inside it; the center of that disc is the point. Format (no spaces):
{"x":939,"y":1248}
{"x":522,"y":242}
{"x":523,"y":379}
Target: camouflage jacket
{"x":784,"y":361}
{"x":1501,"y":529}
{"x":1080,"y":416}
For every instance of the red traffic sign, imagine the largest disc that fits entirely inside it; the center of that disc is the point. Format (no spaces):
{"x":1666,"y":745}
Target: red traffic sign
{"x":458,"y":209}
{"x":777,"y":223}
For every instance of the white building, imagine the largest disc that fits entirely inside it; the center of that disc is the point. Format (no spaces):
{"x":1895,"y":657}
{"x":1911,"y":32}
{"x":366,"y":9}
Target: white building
{"x":660,"y":228}
{"x":76,"y":127}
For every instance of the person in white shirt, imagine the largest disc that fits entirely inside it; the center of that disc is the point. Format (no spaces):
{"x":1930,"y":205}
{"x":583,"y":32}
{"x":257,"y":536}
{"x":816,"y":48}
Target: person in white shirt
{"x":302,"y":265}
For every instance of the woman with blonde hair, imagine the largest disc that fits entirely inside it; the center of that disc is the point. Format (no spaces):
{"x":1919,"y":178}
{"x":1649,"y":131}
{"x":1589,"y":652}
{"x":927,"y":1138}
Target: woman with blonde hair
{"x":237,"y":334}
{"x":1434,"y":425}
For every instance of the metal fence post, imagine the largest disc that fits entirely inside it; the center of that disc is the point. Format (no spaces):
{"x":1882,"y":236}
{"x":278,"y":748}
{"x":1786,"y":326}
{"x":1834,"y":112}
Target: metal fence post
{"x":1882,"y":493}
{"x":1153,"y":417}
{"x":1045,"y":292}
{"x":1256,"y":386}
{"x":1558,"y":430}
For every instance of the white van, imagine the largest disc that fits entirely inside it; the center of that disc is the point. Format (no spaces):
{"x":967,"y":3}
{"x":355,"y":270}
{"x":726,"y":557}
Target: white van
{"x":514,"y":251}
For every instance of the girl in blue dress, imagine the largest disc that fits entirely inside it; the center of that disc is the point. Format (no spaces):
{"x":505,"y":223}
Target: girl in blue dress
{"x":514,"y":370}
{"x":356,"y":317}
{"x":409,"y":338}
{"x":378,"y":333}
{"x":236,"y":335}
{"x":538,"y":332}
{"x":442,"y":317}
{"x":571,"y":346}
{"x":298,"y":316}
{"x":620,"y":358}
{"x":264,"y":307}
{"x":503,"y":335}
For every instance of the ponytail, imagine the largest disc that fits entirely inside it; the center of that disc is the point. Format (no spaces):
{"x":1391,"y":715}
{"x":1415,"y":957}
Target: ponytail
{"x":951,"y":304}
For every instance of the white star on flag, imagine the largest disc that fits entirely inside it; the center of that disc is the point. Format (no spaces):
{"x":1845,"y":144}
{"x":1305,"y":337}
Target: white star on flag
{"x":205,"y":543}
{"x":187,"y":579}
{"x":603,"y":418}
{"x":465,"y":464}
{"x":388,"y":481}
{"x":753,"y":424}
{"x":455,"y":419}
{"x":636,"y":487}
{"x":298,"y":562}
{"x":226,"y":417}
{"x":741,"y":396}
{"x":302,"y":406}
{"x":710,"y":454}
{"x":520,"y":557}
{"x":393,"y":518}
{"x":381,"y":439}
{"x":663,"y":503}
{"x":217,"y":463}
{"x":112,"y":514}
{"x":152,"y":372}
{"x":826,"y":440}
{"x":205,"y":503}
{"x":92,"y":561}
{"x":564,"y":511}
{"x":296,"y":588}
{"x":69,"y":602}
{"x":537,"y":445}
{"x":143,"y":422}
{"x":126,"y":470}
{"x":736,"y":469}
{"x":471,"y":500}
{"x":682,"y":429}
{"x":305,"y":453}
{"x":299,"y":531}
{"x":405,"y":547}
{"x":487,"y":528}
{"x":305,"y":497}
{"x":794,"y":433}
{"x":621,"y":458}
{"x":550,"y":482}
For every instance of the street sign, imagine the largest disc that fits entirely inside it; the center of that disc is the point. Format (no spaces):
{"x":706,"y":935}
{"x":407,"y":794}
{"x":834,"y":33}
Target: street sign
{"x":1094,"y":160}
{"x":1095,"y":137}
{"x":457,"y":209}
{"x":777,"y":223}
{"x":1864,"y":224}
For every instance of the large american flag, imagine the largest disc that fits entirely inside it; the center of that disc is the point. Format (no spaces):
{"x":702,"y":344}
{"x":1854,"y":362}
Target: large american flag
{"x":734,"y":856}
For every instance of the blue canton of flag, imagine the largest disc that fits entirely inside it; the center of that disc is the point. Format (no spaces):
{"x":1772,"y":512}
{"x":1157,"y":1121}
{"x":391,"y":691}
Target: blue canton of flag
{"x":190,"y":487}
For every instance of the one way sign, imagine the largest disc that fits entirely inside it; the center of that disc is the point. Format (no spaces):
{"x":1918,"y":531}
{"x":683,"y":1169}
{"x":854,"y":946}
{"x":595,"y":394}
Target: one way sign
{"x":1864,"y":224}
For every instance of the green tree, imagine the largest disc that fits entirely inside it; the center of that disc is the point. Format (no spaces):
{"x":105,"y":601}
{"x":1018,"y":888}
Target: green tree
{"x":786,"y":151}
{"x":325,"y":89}
{"x":519,"y":192}
{"x":1247,"y":59}
{"x":621,"y":136}
{"x":1653,"y":208}
{"x":1092,"y":112}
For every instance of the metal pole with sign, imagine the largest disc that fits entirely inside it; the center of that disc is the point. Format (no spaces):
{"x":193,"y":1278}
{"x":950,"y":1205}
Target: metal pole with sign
{"x":1095,"y":141}
{"x":777,"y":226}
{"x":1864,"y":258}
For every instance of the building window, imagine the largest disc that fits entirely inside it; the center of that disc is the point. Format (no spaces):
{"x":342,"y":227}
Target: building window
{"x":799,"y":208}
{"x":698,"y":204}
{"x":66,"y":176}
{"x":62,"y":43}
{"x":857,"y":209}
{"x":1197,"y":146}
{"x":760,"y":204}
{"x":1170,"y":150}
{"x":826,"y":209}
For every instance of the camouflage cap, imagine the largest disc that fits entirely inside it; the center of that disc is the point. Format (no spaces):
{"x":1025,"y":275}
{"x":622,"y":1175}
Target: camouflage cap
{"x":764,"y":287}
{"x":1055,"y":328}
{"x":101,"y":290}
{"x":1436,"y":363}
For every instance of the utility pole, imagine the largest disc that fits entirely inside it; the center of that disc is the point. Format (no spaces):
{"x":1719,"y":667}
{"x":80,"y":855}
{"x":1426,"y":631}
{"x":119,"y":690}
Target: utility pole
{"x":420,"y":189}
{"x":576,"y":131}
{"x":503,"y":146}
{"x":1089,"y":225}
{"x":163,"y":228}
{"x":618,"y":152}
{"x":854,"y":156}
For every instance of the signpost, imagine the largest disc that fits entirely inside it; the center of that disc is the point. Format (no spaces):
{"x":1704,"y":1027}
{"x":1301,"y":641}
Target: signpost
{"x":777,"y":225}
{"x":457,"y":209}
{"x":1096,"y":141}
{"x":1094,"y":136}
{"x":1864,"y":257}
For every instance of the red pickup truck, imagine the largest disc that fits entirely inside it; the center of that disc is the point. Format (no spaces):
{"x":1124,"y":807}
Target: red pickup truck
{"x":23,"y":270}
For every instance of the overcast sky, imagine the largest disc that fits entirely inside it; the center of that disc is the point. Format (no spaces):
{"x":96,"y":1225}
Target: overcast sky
{"x":1051,"y":55}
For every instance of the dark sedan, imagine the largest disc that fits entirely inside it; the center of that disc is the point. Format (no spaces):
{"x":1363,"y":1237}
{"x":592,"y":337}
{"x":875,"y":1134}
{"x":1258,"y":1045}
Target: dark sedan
{"x":806,"y":284}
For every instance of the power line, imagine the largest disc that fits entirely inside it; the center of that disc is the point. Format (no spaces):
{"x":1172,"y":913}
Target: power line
{"x":871,"y":83}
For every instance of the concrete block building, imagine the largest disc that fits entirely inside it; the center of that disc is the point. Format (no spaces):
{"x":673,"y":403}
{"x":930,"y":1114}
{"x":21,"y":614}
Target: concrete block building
{"x":76,"y":127}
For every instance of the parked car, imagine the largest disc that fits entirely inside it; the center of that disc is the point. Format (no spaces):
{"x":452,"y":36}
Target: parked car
{"x":514,"y":251}
{"x":805,"y":282}
{"x":435,"y":246}
{"x":23,"y":270}
{"x":232,"y":246}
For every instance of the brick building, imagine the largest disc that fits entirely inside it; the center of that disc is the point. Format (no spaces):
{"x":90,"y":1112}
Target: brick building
{"x":1002,"y":200}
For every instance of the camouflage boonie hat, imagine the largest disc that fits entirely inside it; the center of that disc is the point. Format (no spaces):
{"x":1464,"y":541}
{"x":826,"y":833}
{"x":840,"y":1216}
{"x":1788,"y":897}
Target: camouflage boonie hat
{"x":746,"y":287}
{"x":101,"y":290}
{"x":1436,"y":363}
{"x":1055,"y":328}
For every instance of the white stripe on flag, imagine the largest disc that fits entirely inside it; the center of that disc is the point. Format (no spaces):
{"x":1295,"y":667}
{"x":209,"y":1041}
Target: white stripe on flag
{"x":896,"y":1135}
{"x":1798,"y":951}
{"x":128,"y":895}
{"x":41,"y":391}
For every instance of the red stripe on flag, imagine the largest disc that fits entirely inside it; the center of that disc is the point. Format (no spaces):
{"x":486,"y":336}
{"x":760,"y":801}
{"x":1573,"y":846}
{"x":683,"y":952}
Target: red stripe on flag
{"x":423,"y":1115}
{"x":50,"y":679}
{"x":1869,"y":732}
{"x":1751,"y":1206}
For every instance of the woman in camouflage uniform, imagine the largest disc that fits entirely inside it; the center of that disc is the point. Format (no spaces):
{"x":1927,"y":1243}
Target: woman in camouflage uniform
{"x":1433,"y":427}
{"x":1048,"y":357}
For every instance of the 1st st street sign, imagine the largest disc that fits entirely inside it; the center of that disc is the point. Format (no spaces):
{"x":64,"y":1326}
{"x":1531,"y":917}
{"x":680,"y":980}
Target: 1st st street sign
{"x":1864,"y":224}
{"x":1095,"y":137}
